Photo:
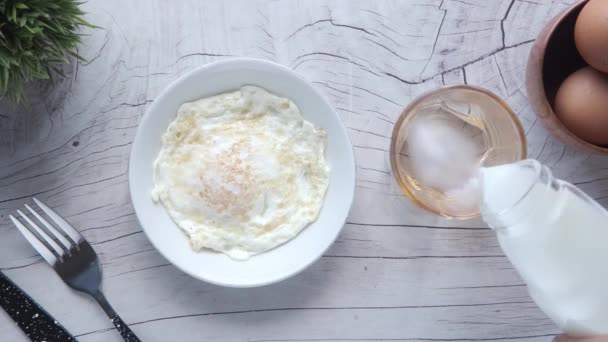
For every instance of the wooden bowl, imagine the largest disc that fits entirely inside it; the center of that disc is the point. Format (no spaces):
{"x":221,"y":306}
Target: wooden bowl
{"x":553,"y":58}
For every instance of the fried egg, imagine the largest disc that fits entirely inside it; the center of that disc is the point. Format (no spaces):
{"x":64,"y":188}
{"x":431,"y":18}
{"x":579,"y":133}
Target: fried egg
{"x":241,"y":172}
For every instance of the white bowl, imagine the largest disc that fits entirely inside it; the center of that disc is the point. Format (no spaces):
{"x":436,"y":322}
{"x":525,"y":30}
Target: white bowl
{"x":285,"y":260}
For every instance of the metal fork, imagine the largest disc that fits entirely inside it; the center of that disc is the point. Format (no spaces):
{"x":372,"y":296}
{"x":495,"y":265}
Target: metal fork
{"x":70,"y":255}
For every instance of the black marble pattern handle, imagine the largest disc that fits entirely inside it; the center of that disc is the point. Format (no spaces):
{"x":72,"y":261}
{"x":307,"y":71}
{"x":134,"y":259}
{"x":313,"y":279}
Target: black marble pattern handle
{"x":35,"y":322}
{"x":124,"y":330}
{"x":127,"y":334}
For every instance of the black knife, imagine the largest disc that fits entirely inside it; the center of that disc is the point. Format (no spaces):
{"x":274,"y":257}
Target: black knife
{"x":35,"y":322}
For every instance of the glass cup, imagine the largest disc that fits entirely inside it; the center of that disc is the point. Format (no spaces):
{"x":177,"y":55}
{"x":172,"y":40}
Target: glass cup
{"x":488,"y":124}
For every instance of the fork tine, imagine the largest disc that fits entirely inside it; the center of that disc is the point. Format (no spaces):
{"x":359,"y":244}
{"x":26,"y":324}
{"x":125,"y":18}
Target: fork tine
{"x":50,"y":230}
{"x":61,"y":223}
{"x":40,"y":247}
{"x":43,"y":236}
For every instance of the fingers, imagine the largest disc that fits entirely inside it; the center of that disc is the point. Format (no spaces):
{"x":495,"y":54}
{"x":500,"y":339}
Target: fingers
{"x":564,"y":338}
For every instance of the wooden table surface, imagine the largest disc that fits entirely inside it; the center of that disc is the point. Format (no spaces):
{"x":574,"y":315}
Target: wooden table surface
{"x":396,"y":273}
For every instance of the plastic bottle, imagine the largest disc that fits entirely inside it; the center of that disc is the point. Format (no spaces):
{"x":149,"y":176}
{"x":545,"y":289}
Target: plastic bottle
{"x":557,"y":239}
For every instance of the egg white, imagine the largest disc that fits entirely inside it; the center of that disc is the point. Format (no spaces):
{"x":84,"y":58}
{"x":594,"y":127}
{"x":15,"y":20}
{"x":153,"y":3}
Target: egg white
{"x":241,"y":172}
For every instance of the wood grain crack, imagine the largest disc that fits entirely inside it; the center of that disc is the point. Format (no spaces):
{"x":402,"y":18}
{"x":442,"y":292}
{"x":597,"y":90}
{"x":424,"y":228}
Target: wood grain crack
{"x":88,"y":210}
{"x":445,"y":12}
{"x":133,"y":253}
{"x":480,"y":287}
{"x":368,"y":132}
{"x":375,"y":170}
{"x":371,"y":148}
{"x":417,"y":257}
{"x":62,"y":191}
{"x":109,"y":225}
{"x":22,"y":266}
{"x":382,"y":116}
{"x":387,"y":49}
{"x":373,"y":12}
{"x":116,"y":238}
{"x":404,"y":307}
{"x":98,"y":54}
{"x":300,"y":59}
{"x":265,"y":32}
{"x":467,"y":3}
{"x":94,"y":332}
{"x":333,"y":23}
{"x":125,"y":104}
{"x":502,"y":23}
{"x":204,"y":54}
{"x":459,"y":66}
{"x":465,"y":339}
{"x":591,"y":181}
{"x":67,"y":165}
{"x":139,"y":270}
{"x":501,"y":75}
{"x":414,"y":226}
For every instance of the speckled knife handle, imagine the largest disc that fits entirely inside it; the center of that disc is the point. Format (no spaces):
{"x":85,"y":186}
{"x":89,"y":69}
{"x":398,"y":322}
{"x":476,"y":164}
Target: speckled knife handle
{"x":37,"y":324}
{"x":127,"y":334}
{"x":124,"y":330}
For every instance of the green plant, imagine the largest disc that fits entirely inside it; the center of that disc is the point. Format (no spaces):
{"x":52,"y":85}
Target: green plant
{"x":36,"y":38}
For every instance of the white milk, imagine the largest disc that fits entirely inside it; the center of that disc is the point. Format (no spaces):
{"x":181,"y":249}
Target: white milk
{"x":557,"y":239}
{"x":445,"y":158}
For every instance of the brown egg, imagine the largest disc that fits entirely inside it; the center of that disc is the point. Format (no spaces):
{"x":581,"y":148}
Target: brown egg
{"x":591,"y":34}
{"x":581,"y":104}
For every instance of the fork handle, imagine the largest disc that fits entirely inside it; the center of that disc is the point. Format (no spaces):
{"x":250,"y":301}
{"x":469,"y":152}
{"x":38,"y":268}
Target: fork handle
{"x":127,"y":334}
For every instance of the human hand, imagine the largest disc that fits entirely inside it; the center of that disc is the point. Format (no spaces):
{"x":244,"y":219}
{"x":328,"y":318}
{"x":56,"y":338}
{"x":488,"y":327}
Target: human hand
{"x":564,"y":338}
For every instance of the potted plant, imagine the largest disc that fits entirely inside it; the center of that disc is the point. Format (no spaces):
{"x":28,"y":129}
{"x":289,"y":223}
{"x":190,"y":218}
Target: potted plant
{"x":37,"y":37}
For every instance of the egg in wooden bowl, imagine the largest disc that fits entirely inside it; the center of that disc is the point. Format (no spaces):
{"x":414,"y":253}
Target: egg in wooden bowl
{"x":581,"y":104}
{"x":573,"y":113}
